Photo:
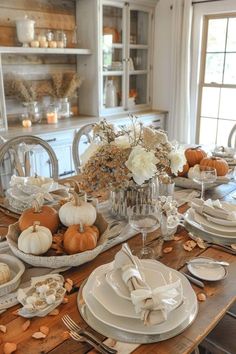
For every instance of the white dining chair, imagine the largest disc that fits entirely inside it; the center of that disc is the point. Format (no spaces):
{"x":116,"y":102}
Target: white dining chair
{"x":16,"y":157}
{"x":232,"y":137}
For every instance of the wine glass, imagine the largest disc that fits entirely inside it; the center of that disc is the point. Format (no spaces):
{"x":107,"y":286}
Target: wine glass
{"x":144,"y":218}
{"x":206,"y":175}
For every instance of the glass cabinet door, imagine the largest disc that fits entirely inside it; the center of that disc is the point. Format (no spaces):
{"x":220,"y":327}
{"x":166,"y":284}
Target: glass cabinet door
{"x":138,"y":54}
{"x":112,"y":56}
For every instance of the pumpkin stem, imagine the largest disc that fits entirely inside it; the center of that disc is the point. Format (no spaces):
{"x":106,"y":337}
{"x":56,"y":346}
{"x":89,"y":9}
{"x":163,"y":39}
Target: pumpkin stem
{"x":36,"y":205}
{"x":76,"y":199}
{"x":81,"y":228}
{"x":196,"y":147}
{"x":36,"y":223}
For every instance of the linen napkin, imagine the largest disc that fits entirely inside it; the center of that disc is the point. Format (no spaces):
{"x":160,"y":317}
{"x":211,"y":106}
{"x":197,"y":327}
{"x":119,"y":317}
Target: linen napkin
{"x":153,"y":305}
{"x":183,"y":196}
{"x":213,"y":208}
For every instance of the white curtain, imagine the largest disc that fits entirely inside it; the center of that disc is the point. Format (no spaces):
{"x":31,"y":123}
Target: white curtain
{"x":179,"y":113}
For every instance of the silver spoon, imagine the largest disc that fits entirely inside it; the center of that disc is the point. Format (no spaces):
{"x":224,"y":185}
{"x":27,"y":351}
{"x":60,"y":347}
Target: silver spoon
{"x":212,"y":262}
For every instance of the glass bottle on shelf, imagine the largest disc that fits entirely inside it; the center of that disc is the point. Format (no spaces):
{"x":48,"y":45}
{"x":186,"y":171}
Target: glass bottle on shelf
{"x":111,"y":95}
{"x":63,"y":106}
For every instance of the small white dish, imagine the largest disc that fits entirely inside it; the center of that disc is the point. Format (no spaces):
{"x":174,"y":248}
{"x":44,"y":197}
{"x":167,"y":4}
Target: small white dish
{"x":151,"y":276}
{"x":17,"y":269}
{"x":209,"y":272}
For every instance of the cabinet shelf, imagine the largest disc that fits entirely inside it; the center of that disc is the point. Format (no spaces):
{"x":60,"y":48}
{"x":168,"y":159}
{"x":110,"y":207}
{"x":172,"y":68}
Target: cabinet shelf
{"x":138,"y":72}
{"x":112,"y":73}
{"x":30,"y":50}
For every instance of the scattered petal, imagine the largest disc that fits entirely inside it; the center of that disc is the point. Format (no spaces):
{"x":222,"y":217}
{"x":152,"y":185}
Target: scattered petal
{"x":54,"y":312}
{"x":189,"y":245}
{"x":25,"y":325}
{"x":38,"y":335}
{"x":201,"y":297}
{"x":65,"y":300}
{"x":68,"y":280}
{"x":68,"y":287}
{"x":9,"y":348}
{"x":167,"y":249}
{"x":3,"y":328}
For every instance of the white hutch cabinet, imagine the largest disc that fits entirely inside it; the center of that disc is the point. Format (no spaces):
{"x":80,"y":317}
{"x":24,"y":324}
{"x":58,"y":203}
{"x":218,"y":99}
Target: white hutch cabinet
{"x":118,"y":78}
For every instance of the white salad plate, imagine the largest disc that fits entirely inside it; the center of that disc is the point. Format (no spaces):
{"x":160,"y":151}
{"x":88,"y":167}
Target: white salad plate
{"x":119,"y":306}
{"x":230,"y":223}
{"x":132,"y":325}
{"x":207,"y":271}
{"x":150,"y":274}
{"x":207,"y":235}
{"x":212,"y":227}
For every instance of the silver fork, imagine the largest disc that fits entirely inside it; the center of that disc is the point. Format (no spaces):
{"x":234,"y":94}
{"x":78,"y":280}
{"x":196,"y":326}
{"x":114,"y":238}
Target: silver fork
{"x":73,"y":326}
{"x":79,"y":338}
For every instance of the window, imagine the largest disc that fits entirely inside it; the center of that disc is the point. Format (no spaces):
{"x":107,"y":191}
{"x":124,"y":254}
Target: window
{"x":217,"y":95}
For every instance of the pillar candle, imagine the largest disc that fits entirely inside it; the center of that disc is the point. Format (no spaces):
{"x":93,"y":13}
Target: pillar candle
{"x":52,"y":118}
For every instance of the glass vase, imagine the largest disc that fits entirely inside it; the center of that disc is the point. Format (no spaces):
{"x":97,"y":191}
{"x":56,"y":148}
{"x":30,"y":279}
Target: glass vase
{"x":63,"y":106}
{"x":123,"y":199}
{"x":167,"y":232}
{"x":34,"y":112}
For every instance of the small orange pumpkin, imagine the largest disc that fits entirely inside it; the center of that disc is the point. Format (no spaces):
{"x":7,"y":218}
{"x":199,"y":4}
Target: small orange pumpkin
{"x":185,"y":170}
{"x":194,"y":155}
{"x":80,"y":238}
{"x":218,"y":163}
{"x":47,"y":216}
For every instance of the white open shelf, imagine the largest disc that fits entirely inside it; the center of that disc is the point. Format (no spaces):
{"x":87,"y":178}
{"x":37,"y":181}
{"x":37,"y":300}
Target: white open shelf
{"x":30,"y":50}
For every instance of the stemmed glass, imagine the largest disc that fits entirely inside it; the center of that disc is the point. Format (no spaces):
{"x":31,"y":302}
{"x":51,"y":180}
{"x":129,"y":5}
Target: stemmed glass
{"x":144,"y":218}
{"x":206,"y":175}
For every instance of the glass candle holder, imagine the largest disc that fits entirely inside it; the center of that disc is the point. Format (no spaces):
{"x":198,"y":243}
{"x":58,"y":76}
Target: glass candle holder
{"x":52,"y":114}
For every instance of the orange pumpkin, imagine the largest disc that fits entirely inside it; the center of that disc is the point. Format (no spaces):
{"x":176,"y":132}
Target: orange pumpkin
{"x":185,"y":170}
{"x":78,"y":238}
{"x":46,"y":215}
{"x":218,"y":163}
{"x":194,"y":155}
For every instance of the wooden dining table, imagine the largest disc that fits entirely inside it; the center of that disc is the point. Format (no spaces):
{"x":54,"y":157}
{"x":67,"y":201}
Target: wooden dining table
{"x":220,"y":295}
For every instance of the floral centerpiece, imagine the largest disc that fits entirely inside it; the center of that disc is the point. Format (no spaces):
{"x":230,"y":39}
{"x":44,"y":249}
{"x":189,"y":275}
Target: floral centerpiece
{"x":128,"y":157}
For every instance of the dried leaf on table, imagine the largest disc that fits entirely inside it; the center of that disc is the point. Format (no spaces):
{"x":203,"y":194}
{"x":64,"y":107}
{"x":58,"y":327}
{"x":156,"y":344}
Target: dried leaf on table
{"x":9,"y":348}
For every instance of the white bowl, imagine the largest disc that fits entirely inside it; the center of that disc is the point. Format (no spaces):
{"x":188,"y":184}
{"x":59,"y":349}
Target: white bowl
{"x":17,"y":268}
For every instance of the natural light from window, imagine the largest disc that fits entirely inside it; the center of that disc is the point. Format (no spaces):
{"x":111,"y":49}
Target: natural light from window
{"x":217,"y":110}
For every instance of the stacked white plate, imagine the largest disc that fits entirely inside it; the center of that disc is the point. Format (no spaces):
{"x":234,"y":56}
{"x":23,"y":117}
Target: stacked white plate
{"x":211,"y":228}
{"x":104,"y":303}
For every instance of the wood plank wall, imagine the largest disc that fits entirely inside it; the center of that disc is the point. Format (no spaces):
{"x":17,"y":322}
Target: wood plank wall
{"x":47,"y":14}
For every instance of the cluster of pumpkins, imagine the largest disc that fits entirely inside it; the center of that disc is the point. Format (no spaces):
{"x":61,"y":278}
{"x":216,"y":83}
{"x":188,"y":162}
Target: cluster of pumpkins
{"x":40,"y":223}
{"x":197,"y":157}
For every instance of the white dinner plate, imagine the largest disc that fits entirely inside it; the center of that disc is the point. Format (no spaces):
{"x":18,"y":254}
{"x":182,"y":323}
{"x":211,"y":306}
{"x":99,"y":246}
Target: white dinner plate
{"x":119,"y":306}
{"x":230,"y":223}
{"x":210,"y":272}
{"x":200,"y":231}
{"x":212,"y":227}
{"x":131,"y":325}
{"x":150,"y":274}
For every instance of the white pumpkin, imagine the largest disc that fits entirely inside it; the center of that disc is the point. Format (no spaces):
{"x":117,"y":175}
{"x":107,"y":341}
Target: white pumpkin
{"x":77,"y":212}
{"x":5,"y":273}
{"x":194,"y":171}
{"x":35,"y":239}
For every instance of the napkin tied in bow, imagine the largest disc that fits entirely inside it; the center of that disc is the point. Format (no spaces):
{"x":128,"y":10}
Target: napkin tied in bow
{"x":153,"y":305}
{"x":213,"y":208}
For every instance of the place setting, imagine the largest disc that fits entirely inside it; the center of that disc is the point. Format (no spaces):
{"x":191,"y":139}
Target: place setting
{"x":137,"y":301}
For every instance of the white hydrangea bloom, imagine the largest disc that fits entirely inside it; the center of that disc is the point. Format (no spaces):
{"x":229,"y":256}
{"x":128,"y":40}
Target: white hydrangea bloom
{"x":142,"y":164}
{"x":177,"y":161}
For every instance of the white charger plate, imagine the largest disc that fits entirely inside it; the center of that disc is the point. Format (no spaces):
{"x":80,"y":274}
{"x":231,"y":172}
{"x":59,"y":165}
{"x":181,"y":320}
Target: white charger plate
{"x":210,"y":272}
{"x":117,"y":305}
{"x":151,"y":276}
{"x":136,"y":326}
{"x":203,"y":233}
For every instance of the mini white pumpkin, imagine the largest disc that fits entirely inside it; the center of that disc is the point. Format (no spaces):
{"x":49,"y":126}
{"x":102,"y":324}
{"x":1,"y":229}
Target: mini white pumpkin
{"x":194,"y":172}
{"x":5,"y":273}
{"x":77,"y":212}
{"x":35,"y":239}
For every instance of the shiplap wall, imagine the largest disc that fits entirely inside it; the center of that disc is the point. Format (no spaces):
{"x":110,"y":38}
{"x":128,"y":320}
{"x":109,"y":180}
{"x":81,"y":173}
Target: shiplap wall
{"x":47,"y":14}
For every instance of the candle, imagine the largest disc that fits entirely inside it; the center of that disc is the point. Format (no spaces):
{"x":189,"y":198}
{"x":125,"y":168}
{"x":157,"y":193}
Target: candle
{"x":43,"y":44}
{"x":52,"y":118}
{"x":34,"y":44}
{"x":53,"y":44}
{"x":26,"y":123}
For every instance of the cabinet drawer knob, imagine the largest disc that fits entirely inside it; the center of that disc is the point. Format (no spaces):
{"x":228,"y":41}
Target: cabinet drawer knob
{"x":51,"y":140}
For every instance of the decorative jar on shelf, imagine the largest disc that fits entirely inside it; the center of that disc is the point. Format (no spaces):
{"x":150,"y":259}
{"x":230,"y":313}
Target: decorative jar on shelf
{"x":34,"y":112}
{"x":63,"y":105}
{"x":25,"y":30}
